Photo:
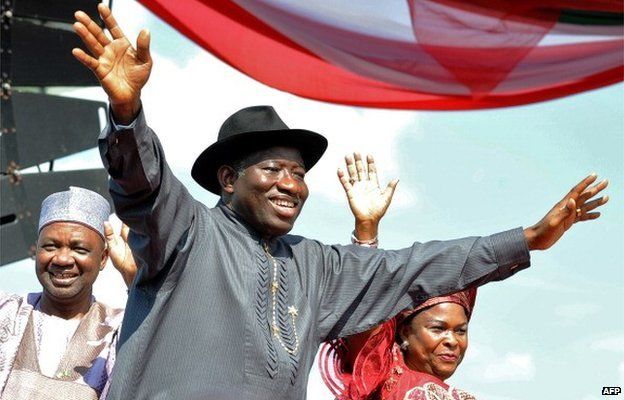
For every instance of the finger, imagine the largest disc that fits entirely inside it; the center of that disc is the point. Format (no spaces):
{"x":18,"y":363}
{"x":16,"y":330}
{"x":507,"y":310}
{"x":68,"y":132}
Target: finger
{"x":88,"y":39}
{"x":389,"y":191}
{"x":143,"y":43}
{"x":589,"y":216}
{"x":359,"y":166}
{"x":576,"y":191}
{"x":372,"y":169}
{"x":594,"y":204}
{"x":124,"y":232}
{"x":86,"y":60}
{"x":110,"y":22}
{"x":109,"y":233}
{"x":351,"y":167}
{"x":592,"y":191}
{"x":92,"y":28}
{"x":346,"y":185}
{"x":582,"y":185}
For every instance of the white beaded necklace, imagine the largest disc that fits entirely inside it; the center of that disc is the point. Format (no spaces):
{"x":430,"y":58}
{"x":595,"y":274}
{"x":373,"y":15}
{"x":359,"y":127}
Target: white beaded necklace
{"x":292,"y":310}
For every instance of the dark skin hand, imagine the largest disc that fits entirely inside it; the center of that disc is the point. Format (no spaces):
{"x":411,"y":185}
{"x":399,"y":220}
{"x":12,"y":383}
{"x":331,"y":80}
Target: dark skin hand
{"x":576,"y":206}
{"x":367,"y":201}
{"x":121,"y":69}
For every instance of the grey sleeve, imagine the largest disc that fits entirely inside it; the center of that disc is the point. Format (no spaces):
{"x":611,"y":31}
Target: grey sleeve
{"x":362,"y":287}
{"x":147,"y":197}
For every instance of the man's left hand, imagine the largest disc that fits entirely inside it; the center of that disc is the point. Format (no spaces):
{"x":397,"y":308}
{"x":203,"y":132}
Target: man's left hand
{"x":120,"y":253}
{"x":576,"y":206}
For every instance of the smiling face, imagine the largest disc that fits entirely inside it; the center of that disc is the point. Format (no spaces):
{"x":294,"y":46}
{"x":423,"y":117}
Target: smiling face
{"x":69,"y":258}
{"x":270,"y":193}
{"x":438,"y":338}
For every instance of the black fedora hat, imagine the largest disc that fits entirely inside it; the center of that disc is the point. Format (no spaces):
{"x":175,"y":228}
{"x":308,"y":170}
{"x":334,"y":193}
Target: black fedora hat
{"x":251,"y":129}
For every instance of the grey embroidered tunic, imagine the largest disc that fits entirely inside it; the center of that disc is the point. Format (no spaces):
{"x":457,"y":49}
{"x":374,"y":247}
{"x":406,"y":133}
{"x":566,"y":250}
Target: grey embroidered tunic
{"x":198,"y":323}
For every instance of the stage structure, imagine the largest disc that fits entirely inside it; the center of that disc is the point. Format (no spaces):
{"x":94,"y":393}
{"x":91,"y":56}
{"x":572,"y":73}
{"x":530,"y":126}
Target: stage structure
{"x":38,"y":127}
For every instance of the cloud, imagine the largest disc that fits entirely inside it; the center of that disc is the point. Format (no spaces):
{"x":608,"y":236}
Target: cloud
{"x":513,"y":367}
{"x":611,"y":343}
{"x":484,"y":364}
{"x":576,"y":311}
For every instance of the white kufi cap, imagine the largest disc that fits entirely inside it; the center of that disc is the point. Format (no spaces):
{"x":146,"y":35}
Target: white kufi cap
{"x":78,"y":205}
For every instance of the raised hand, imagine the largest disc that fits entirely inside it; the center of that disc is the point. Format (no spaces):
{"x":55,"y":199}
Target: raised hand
{"x":576,"y":206}
{"x":367,"y":201}
{"x":121,"y":69}
{"x":120,"y":253}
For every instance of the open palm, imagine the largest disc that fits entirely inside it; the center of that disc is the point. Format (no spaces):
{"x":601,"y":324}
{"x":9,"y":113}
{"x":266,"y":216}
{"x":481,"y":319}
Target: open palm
{"x":366,"y":199}
{"x":121,"y":69}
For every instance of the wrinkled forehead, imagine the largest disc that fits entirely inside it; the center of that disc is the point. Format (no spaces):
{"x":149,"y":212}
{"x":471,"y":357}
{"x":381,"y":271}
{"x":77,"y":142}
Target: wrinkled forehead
{"x":274,"y":153}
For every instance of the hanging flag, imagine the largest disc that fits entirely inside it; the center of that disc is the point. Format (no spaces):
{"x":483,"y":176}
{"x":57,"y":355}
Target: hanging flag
{"x":412,"y":54}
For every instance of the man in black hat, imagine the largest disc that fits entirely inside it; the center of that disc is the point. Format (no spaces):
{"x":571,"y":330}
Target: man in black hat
{"x":225,"y":303}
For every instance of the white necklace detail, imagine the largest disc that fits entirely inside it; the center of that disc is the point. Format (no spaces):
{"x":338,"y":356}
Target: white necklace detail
{"x":292,"y":310}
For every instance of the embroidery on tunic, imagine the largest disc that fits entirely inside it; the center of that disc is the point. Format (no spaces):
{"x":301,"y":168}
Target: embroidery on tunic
{"x":285,"y":319}
{"x":14,"y":314}
{"x":262,"y":311}
{"x":285,"y":314}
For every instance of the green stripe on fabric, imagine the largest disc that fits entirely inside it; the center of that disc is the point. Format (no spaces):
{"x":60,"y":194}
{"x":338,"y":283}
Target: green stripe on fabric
{"x":591,"y":18}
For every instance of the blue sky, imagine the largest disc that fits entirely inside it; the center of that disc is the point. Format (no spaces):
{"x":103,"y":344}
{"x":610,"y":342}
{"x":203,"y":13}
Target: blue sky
{"x":554,"y":331}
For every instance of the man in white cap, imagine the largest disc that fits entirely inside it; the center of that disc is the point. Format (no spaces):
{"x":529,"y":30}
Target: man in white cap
{"x":60,"y":343}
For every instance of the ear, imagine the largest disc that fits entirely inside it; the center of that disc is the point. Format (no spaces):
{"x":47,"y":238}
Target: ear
{"x":404,"y":331}
{"x":227,"y":176}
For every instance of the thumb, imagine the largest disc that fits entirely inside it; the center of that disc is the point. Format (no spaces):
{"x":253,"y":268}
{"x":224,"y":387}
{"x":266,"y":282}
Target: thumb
{"x":568,"y":211}
{"x":143,"y":44}
{"x":389,"y":190}
{"x":571,"y":210}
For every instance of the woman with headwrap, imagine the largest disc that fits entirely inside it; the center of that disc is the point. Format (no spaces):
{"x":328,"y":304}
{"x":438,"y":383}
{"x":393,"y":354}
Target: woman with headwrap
{"x":410,"y":356}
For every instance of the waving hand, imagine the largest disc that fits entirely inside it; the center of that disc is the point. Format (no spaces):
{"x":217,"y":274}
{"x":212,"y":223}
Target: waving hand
{"x":366,"y":199}
{"x":576,"y":206}
{"x":121,"y":69}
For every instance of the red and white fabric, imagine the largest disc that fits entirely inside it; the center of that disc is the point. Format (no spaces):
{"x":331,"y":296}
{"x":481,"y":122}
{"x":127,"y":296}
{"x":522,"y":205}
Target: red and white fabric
{"x":410,"y":54}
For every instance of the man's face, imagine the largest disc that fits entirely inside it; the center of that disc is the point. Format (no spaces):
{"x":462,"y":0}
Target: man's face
{"x":69,"y":258}
{"x":271,"y":192}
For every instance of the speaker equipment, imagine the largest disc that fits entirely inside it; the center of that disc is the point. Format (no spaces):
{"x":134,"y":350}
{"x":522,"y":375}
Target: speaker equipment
{"x":36,"y":42}
{"x":47,"y":127}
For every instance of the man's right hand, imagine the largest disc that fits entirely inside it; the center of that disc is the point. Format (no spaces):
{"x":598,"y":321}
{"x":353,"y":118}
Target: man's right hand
{"x":121,"y":69}
{"x":367,"y":201}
